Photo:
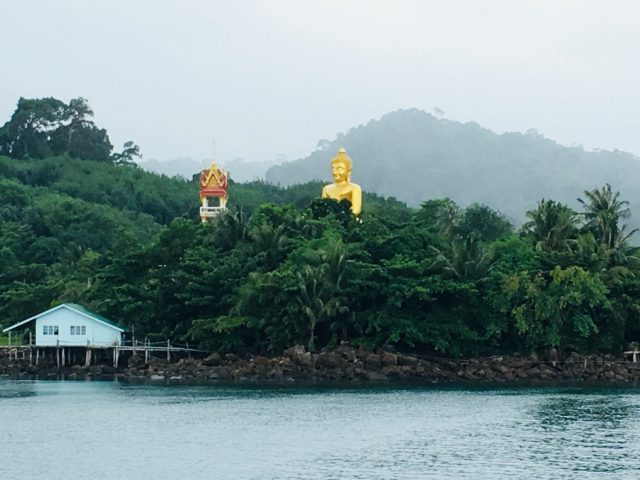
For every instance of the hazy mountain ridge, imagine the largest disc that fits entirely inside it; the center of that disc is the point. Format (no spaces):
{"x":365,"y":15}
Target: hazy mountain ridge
{"x":414,"y":156}
{"x":240,"y":170}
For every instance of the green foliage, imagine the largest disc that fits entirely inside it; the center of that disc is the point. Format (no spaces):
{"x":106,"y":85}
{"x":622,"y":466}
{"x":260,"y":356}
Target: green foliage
{"x":43,"y":127}
{"x":284,"y":267}
{"x":551,"y":226}
{"x":563,"y":306}
{"x":129,"y":151}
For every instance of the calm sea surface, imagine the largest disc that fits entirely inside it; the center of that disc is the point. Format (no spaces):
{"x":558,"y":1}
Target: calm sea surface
{"x":110,"y":430}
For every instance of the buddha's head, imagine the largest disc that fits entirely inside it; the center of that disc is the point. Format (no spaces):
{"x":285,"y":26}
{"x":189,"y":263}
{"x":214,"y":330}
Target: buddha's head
{"x":341,"y":167}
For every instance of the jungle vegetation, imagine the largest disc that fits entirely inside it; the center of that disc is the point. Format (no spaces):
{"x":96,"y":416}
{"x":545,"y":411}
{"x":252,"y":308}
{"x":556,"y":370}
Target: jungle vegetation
{"x":283,"y":267}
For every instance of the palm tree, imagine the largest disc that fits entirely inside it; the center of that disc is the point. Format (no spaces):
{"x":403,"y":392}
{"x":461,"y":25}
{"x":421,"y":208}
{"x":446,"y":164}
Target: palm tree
{"x":320,"y":284}
{"x":231,"y":228}
{"x":552,"y":225}
{"x":603,"y":213}
{"x":467,"y":259}
{"x":447,"y":218}
{"x":318,"y":302}
{"x":269,"y":244}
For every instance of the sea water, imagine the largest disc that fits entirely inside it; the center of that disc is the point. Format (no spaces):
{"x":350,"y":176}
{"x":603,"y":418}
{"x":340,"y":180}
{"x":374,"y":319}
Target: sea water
{"x":109,"y":430}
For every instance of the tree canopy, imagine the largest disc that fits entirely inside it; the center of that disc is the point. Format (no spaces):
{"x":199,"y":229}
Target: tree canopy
{"x":284,"y":267}
{"x":44,"y":127}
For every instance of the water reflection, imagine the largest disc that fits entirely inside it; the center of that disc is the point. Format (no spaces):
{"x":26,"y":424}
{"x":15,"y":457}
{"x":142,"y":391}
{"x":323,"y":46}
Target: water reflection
{"x":226,"y":432}
{"x":14,"y":389}
{"x":602,"y":411}
{"x":579,"y":433}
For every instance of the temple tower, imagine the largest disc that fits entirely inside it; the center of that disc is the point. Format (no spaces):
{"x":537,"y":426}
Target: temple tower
{"x":214,"y":185}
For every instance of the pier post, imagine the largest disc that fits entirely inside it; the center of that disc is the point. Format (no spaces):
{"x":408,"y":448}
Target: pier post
{"x":168,"y":351}
{"x":37,"y":356}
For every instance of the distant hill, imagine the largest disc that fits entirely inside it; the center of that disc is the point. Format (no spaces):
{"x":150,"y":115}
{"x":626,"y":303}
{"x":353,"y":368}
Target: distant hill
{"x":414,"y":156}
{"x":241,"y":170}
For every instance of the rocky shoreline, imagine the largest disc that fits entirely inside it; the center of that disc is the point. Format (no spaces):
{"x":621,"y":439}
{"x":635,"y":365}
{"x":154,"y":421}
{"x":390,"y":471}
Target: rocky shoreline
{"x":345,"y":365}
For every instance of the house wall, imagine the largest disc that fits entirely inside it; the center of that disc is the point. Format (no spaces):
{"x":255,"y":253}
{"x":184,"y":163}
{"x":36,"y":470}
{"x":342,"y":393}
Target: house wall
{"x":96,"y":333}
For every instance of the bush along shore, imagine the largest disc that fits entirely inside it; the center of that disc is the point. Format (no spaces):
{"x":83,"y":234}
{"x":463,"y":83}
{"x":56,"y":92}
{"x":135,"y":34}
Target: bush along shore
{"x":345,"y":365}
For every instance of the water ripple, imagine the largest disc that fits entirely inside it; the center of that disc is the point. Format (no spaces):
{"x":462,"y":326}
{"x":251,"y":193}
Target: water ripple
{"x":108,"y":430}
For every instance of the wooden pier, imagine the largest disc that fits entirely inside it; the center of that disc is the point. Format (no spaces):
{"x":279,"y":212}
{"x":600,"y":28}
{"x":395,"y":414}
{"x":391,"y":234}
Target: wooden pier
{"x":65,"y":355}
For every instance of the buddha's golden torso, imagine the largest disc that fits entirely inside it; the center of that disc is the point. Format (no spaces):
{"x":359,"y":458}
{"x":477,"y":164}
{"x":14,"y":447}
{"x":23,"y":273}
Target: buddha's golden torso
{"x":343,"y":189}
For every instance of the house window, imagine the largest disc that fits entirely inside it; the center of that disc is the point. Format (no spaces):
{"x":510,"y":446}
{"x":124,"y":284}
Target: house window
{"x":73,"y":329}
{"x":55,"y":330}
{"x":50,"y":329}
{"x":84,"y":330}
{"x":45,"y":330}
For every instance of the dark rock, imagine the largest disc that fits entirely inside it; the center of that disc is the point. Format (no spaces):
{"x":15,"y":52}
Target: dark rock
{"x":304,"y":359}
{"x":521,"y":373}
{"x":407,"y":360}
{"x":373,"y":361}
{"x":389,"y":358}
{"x":286,"y":365}
{"x":469,"y":376}
{"x":294,"y":352}
{"x":347,"y":352}
{"x":376,"y":377}
{"x":329,"y":360}
{"x":261,"y":361}
{"x":135,"y":361}
{"x":392,"y":371}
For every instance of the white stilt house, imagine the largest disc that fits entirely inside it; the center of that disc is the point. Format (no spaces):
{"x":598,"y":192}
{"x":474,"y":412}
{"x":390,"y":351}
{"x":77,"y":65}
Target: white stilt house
{"x":71,"y":325}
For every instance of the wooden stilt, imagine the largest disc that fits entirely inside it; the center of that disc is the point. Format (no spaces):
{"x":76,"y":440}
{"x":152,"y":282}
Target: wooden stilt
{"x":168,"y":352}
{"x":37,"y":356}
{"x":58,"y":357}
{"x":63,"y":357}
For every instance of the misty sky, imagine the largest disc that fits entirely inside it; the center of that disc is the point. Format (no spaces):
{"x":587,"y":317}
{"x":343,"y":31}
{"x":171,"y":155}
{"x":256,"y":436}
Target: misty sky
{"x":273,"y":77}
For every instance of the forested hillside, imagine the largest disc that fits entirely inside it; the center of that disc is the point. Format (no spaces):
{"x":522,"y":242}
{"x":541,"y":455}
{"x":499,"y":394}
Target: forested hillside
{"x":283,"y":267}
{"x":414,"y":156}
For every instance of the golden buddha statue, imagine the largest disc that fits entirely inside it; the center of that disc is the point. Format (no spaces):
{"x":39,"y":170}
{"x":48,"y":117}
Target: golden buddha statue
{"x":342,"y":188}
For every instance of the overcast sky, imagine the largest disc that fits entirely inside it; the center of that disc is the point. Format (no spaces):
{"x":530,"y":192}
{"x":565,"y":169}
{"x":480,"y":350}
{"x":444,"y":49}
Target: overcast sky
{"x":273,"y":77}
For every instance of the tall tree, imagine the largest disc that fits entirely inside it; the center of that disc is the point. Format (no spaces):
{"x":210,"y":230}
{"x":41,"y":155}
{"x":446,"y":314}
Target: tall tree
{"x":28,"y":133}
{"x":43,"y":127}
{"x":551,"y":225}
{"x":604,"y":212}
